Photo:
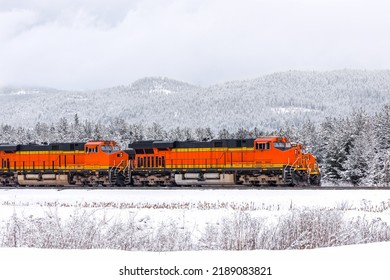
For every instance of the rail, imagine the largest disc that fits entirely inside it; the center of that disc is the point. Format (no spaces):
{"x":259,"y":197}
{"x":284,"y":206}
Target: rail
{"x":233,"y":187}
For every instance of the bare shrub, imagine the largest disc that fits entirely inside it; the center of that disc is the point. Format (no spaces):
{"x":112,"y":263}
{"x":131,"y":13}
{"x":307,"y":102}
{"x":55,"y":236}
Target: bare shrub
{"x":238,"y":232}
{"x":307,"y":228}
{"x":361,"y":230}
{"x":170,"y":237}
{"x":298,"y":229}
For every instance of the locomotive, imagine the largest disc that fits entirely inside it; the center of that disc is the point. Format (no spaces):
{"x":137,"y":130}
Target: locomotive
{"x":93,"y":163}
{"x":264,"y":161}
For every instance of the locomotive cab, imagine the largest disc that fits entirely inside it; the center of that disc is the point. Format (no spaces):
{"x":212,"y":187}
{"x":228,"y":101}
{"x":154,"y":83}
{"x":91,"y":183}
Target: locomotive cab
{"x":104,"y":155}
{"x":275,"y":151}
{"x":277,"y":155}
{"x":107,"y":163}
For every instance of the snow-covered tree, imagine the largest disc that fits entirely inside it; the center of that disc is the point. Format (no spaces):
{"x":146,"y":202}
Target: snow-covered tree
{"x":379,"y":169}
{"x":361,"y":152}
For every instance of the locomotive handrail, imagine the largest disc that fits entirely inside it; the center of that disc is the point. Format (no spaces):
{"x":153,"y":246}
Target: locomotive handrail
{"x":293,"y":165}
{"x":295,"y":161}
{"x":119,"y":163}
{"x":112,"y":168}
{"x":110,"y":173}
{"x":127,"y":167}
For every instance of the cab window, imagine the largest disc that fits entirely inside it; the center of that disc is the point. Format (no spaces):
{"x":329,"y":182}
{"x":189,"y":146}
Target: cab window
{"x":106,"y":149}
{"x":109,"y":149}
{"x":91,"y":150}
{"x":279,"y":145}
{"x":263,"y":146}
{"x":282,"y":146}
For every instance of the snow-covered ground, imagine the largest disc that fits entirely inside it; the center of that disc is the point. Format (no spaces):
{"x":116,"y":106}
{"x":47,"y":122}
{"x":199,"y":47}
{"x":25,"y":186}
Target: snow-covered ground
{"x":277,"y":196}
{"x":193,"y":209}
{"x":367,"y":261}
{"x":191,"y":206}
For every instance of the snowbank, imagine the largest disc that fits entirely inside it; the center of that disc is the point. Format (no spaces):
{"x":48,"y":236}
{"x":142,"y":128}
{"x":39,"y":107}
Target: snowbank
{"x":193,"y":209}
{"x":369,"y":261}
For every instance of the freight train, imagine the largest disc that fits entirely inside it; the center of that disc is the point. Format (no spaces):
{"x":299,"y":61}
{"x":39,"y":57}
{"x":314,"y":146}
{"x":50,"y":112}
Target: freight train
{"x":264,"y":161}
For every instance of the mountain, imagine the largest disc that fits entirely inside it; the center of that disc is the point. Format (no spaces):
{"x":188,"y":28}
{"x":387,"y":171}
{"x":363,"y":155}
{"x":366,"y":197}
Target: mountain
{"x":268,"y":102}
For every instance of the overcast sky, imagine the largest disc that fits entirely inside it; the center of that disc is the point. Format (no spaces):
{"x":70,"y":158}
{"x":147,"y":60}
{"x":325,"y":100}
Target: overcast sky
{"x":89,"y":44}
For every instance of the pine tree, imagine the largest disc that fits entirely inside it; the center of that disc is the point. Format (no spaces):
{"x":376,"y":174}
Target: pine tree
{"x":307,"y":135}
{"x":76,"y":129}
{"x":156,"y":132}
{"x":97,"y":132}
{"x":136,"y":132}
{"x":335,"y":139}
{"x":224,"y":134}
{"x":359,"y":146}
{"x":188,"y":135}
{"x":87,"y":131}
{"x":379,"y":170}
{"x":63,"y":130}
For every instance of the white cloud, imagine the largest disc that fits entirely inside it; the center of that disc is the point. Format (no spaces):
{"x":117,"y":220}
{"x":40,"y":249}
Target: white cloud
{"x":13,"y":22}
{"x":91,"y":44}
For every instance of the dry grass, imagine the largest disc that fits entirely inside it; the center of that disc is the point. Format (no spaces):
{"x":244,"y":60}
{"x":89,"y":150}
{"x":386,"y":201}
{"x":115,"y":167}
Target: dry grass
{"x":295,"y":229}
{"x":365,"y":205}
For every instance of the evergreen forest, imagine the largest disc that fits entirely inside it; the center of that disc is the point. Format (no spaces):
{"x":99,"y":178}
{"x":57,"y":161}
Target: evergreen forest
{"x":352,"y":150}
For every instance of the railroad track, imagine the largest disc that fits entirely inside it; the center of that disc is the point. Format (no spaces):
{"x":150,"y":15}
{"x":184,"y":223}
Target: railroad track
{"x":238,"y":187}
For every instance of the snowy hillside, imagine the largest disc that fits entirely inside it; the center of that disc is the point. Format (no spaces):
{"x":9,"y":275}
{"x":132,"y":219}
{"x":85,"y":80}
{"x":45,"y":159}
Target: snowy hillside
{"x":267,"y":102}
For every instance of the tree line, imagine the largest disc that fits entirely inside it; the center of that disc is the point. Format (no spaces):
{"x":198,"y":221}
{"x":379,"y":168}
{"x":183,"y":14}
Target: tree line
{"x":353,"y":149}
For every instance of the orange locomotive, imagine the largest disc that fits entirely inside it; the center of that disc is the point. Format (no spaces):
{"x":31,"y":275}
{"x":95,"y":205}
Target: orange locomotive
{"x":261,"y":161}
{"x":93,"y":163}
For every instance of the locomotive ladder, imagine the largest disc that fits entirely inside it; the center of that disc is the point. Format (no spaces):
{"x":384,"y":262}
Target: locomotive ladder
{"x":113,"y":173}
{"x":116,"y":170}
{"x":127,"y":173}
{"x":288,"y":172}
{"x":288,"y":175}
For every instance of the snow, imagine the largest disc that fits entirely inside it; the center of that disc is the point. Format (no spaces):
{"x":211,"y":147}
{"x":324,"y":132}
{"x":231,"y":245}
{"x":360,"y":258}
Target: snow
{"x":277,"y":196}
{"x":194,"y":209}
{"x":290,"y":110}
{"x":368,"y":261}
{"x":161,"y":90}
{"x":283,"y":199}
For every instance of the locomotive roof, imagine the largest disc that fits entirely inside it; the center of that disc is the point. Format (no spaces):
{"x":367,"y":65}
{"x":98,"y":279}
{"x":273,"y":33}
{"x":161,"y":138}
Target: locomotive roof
{"x":271,"y":138}
{"x":99,"y":142}
{"x":43,"y":147}
{"x":218,"y":143}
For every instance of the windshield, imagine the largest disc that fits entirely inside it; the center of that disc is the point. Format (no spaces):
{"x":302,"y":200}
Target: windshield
{"x":279,"y":145}
{"x":282,"y":145}
{"x":109,"y":149}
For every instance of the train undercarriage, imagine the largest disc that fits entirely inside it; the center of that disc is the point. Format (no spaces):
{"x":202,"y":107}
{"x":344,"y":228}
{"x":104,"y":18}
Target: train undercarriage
{"x":63,"y":178}
{"x":287,"y":176}
{"x":189,"y":177}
